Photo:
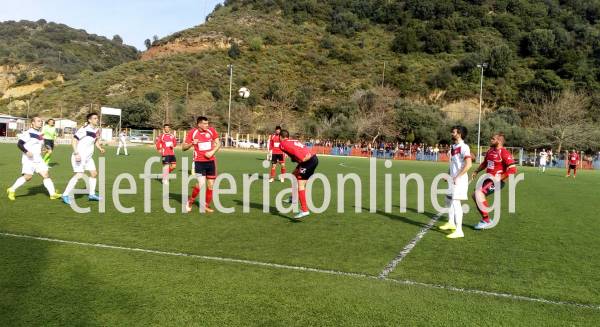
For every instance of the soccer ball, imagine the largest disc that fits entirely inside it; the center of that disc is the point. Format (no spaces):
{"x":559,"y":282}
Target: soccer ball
{"x":244,"y":93}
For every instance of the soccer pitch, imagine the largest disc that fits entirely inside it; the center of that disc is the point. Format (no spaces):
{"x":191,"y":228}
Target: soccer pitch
{"x":538,"y":267}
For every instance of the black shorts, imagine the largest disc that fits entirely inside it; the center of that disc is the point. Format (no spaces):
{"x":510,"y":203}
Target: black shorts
{"x":169,"y":159}
{"x":573,"y":167}
{"x":489,"y":187}
{"x":277,"y":158}
{"x":306,"y":169}
{"x":49,"y":144}
{"x":206,"y":168}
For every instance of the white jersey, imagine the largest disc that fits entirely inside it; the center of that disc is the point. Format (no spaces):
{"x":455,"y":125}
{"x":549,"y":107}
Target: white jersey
{"x":122,"y":137}
{"x":459,"y":152}
{"x":543,"y":157}
{"x":34,"y":141}
{"x":86,"y":136}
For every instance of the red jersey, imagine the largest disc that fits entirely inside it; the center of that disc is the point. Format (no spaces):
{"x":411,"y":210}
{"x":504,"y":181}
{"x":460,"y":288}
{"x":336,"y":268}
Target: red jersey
{"x":205,"y":142}
{"x":274,"y":144}
{"x":295,"y":149}
{"x":165,"y":144}
{"x":498,"y":161}
{"x":573,"y":158}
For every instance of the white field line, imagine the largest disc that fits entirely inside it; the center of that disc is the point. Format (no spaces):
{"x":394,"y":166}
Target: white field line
{"x":308,"y":269}
{"x":408,"y":248}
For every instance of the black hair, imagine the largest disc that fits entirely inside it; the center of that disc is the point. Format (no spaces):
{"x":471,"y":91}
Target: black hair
{"x":277,"y":127}
{"x":48,"y":121}
{"x":284,"y":134}
{"x":461,"y":130}
{"x":201,"y":118}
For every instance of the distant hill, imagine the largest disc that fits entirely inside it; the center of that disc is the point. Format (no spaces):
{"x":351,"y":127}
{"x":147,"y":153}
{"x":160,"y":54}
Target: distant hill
{"x":317,"y":66}
{"x":36,"y":54}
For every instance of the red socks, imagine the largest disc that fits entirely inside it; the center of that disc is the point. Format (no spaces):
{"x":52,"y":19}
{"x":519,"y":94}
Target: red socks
{"x":209,"y":196}
{"x":282,"y":170}
{"x":484,"y":212}
{"x":273,"y":172}
{"x":195,"y":192}
{"x":302,"y":198}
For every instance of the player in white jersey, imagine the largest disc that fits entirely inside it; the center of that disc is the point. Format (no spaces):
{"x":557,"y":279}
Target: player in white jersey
{"x":30,"y":143}
{"x":460,"y":163}
{"x":84,"y":141}
{"x":122,"y":142}
{"x":543,"y":160}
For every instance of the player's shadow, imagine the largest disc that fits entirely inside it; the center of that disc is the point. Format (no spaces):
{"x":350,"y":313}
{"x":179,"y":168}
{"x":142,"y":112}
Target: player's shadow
{"x":272,"y":210}
{"x":406,"y":220}
{"x":38,"y":189}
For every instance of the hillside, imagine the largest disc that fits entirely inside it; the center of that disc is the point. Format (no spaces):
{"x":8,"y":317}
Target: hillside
{"x":34,"y":55}
{"x":318,"y":67}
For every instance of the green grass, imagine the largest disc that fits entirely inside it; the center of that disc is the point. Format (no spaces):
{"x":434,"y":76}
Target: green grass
{"x":547,"y":249}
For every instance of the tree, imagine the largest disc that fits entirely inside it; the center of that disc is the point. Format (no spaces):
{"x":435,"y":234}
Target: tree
{"x":117,"y":39}
{"x":375,"y":117}
{"x":234,"y":51}
{"x":500,"y":61}
{"x":405,"y":42}
{"x":561,"y":118}
{"x":148,"y":43}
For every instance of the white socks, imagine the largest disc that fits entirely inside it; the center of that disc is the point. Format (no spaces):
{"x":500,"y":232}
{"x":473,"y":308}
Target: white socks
{"x":456,"y":214}
{"x":18,"y":183}
{"x":92,"y":188}
{"x":49,"y":186}
{"x":71,"y":185}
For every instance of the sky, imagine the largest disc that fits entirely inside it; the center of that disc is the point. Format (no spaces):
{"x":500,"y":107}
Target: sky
{"x":133,"y":20}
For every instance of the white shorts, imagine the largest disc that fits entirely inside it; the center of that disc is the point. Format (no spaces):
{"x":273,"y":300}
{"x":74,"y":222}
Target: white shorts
{"x":86,"y":163}
{"x":542,"y":162}
{"x":33,"y":166}
{"x":460,"y":190}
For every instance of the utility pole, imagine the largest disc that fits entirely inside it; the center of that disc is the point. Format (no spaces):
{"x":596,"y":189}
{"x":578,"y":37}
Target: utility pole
{"x":230,"y":70}
{"x":482,"y":66}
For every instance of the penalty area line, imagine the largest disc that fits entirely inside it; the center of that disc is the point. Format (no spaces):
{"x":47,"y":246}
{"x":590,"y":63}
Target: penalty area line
{"x":308,"y":269}
{"x":408,"y":248}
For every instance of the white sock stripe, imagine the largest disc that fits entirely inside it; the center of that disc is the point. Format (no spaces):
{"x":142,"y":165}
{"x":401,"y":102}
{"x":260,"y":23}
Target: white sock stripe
{"x":316,"y":270}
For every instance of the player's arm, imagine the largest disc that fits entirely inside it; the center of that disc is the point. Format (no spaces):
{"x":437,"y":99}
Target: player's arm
{"x":468,"y":164}
{"x":216,"y":146}
{"x":21,"y":146}
{"x":479,"y":169}
{"x":188,"y":143}
{"x":99,"y":146}
{"x":511,"y":165}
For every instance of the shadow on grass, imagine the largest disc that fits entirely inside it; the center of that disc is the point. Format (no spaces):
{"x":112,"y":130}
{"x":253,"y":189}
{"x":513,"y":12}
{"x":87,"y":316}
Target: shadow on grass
{"x":405,"y":219}
{"x":272,"y":210}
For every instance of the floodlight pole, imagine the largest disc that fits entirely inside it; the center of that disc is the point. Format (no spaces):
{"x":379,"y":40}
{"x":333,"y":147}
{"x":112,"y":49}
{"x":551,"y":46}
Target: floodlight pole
{"x":482,"y":66}
{"x":230,"y":71}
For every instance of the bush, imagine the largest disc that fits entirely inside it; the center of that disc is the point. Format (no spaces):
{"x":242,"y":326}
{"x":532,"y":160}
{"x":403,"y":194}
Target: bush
{"x":405,"y":42}
{"x":256,"y":44}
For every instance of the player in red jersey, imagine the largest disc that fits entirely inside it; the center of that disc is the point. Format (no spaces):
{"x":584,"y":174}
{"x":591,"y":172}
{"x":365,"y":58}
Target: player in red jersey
{"x":205,"y":141}
{"x":500,"y":164}
{"x":275,"y":154}
{"x":307,"y":163}
{"x":573,"y":158}
{"x":165,"y":144}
